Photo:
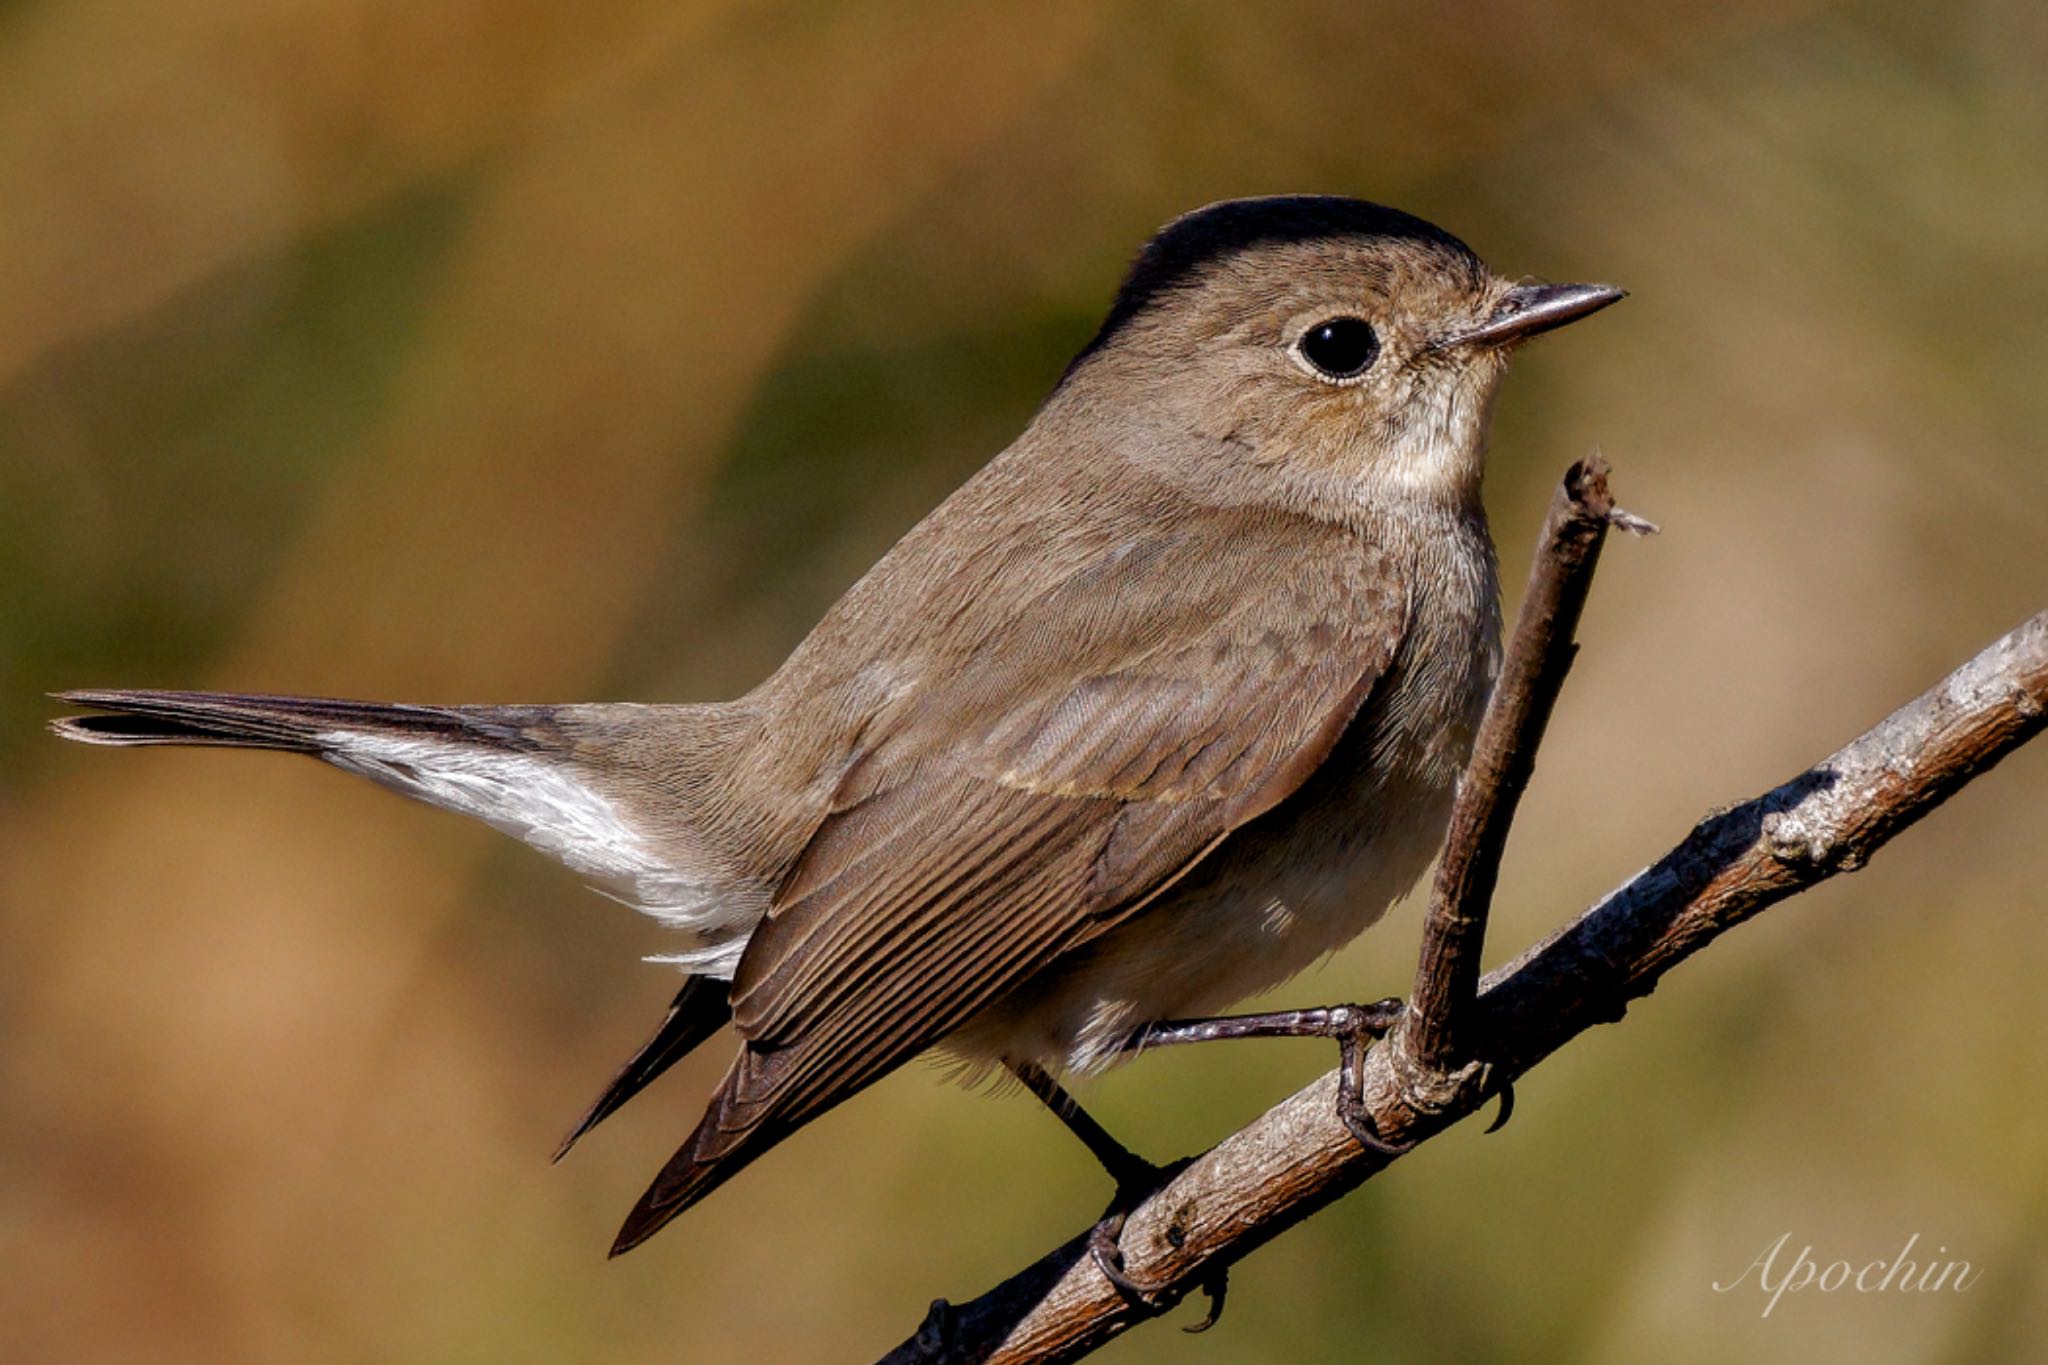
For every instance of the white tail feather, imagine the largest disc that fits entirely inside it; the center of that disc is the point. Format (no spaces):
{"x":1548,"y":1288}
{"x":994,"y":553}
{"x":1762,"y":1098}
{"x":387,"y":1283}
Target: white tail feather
{"x":547,"y":806}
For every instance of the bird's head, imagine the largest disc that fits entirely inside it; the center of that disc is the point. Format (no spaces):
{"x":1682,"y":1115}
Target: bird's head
{"x":1311,"y":348}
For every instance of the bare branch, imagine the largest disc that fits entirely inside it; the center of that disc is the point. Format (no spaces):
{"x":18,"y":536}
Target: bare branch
{"x":1435,"y":1029}
{"x":1299,"y":1157}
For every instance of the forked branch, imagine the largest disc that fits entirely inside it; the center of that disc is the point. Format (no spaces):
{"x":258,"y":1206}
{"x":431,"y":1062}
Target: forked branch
{"x":1465,"y":1039}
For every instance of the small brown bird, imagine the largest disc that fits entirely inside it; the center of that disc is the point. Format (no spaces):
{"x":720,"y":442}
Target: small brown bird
{"x":1163,"y":705}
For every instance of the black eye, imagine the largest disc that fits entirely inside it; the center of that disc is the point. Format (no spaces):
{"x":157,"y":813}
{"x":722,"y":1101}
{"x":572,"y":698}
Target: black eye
{"x":1341,"y":348}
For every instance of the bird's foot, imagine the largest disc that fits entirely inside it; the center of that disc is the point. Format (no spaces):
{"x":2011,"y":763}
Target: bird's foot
{"x":1136,"y":1181}
{"x":1356,"y":1028}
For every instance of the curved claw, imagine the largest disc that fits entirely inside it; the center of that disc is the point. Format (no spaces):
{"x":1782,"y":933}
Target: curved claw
{"x":1109,"y":1259}
{"x":1160,"y":1295}
{"x":1351,"y":1110}
{"x":1507,"y":1107}
{"x":1106,"y":1251}
{"x":1216,"y":1285}
{"x":1359,"y":1121}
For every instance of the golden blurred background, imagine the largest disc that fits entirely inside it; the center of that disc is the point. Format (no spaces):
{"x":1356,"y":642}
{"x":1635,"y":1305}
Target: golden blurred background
{"x":458,"y":351}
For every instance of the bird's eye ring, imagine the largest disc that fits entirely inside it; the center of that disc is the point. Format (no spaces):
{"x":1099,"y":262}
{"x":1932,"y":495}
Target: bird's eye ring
{"x":1338,"y":349}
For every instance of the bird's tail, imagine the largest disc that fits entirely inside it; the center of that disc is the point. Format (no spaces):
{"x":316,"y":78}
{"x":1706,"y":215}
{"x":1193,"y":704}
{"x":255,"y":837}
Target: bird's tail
{"x":305,"y":725}
{"x":602,"y":788}
{"x":565,"y":779}
{"x":514,"y":767}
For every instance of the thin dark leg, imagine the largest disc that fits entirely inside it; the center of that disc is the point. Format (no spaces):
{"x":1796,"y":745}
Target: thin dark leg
{"x":1135,"y":1179}
{"x":1353,"y":1026}
{"x":1324,"y":1021}
{"x":1125,"y":1166}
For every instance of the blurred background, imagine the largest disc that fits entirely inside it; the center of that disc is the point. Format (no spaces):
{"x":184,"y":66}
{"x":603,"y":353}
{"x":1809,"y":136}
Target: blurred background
{"x":460,"y":351}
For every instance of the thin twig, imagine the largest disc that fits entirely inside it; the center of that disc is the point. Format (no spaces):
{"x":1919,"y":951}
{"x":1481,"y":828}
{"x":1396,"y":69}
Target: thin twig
{"x":1435,"y":1031}
{"x":1298,"y":1157}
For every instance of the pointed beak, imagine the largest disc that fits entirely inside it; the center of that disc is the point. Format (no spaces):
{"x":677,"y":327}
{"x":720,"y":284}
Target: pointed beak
{"x":1531,"y":308}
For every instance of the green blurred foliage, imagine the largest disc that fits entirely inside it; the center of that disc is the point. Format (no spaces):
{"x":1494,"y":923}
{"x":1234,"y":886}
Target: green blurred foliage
{"x":480,"y":351}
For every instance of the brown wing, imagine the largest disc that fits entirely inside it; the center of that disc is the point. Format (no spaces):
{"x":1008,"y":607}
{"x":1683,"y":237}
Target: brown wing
{"x":1001,"y":821}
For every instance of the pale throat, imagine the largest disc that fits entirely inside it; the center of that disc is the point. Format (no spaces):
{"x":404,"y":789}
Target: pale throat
{"x":1442,"y":458}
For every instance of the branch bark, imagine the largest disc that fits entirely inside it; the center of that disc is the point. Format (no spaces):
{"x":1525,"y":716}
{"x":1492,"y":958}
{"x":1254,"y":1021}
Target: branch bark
{"x":1299,"y":1157}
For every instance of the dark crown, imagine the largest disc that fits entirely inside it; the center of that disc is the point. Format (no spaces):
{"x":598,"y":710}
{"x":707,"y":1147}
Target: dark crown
{"x":1177,"y":255}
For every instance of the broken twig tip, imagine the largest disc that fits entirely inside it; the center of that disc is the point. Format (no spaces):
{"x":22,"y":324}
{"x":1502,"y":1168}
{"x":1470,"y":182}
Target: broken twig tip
{"x":1623,"y":520}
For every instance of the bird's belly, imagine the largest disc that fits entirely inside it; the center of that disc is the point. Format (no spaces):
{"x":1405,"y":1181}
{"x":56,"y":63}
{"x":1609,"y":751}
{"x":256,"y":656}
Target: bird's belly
{"x":1281,"y":894}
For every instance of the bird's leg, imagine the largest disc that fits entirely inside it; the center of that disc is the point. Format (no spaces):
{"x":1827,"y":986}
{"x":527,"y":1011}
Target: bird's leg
{"x":1355,"y":1027}
{"x":1129,"y":1170}
{"x":1324,"y":1021}
{"x":1136,"y":1178}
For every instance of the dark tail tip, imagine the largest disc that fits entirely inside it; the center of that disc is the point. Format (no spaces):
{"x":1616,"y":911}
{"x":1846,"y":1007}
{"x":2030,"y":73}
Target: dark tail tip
{"x":241,"y":720}
{"x":217,"y":718}
{"x":75,"y":728}
{"x":124,"y":730}
{"x":95,"y":729}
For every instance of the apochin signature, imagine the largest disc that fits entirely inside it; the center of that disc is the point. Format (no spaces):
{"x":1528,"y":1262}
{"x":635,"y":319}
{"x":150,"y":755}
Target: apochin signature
{"x":1899,"y":1275}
